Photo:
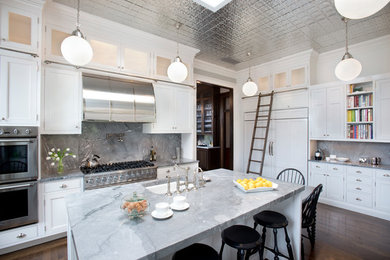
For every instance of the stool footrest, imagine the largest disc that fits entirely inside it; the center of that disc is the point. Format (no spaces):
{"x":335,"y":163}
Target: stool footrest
{"x":273,"y":251}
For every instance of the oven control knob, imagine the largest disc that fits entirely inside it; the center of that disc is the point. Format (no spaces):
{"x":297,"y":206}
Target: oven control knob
{"x":28,"y":131}
{"x":15,"y":131}
{"x":1,"y":131}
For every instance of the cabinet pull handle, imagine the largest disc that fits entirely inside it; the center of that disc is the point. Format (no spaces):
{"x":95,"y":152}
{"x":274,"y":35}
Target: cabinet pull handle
{"x":3,"y":118}
{"x":4,"y":39}
{"x":317,"y":166}
{"x":63,"y":186}
{"x":358,"y":172}
{"x":359,"y":180}
{"x":386,"y":175}
{"x":168,"y":171}
{"x":335,"y":169}
{"x":358,"y":188}
{"x":21,"y":235}
{"x":358,"y":199}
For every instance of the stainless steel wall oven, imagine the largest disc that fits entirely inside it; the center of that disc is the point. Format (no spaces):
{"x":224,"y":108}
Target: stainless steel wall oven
{"x":18,"y":176}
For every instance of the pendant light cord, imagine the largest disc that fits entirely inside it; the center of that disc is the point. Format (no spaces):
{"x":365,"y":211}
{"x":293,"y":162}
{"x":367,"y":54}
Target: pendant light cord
{"x":346,"y":34}
{"x":78,"y":14}
{"x":177,"y":38}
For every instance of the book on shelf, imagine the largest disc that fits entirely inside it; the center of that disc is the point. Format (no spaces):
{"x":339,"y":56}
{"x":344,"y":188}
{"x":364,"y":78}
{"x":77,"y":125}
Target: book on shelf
{"x":363,"y":131}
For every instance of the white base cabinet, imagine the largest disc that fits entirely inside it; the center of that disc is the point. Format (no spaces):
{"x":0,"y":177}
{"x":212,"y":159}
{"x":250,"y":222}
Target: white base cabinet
{"x":18,"y":235}
{"x":174,"y":109}
{"x":354,"y":188}
{"x":55,"y":213}
{"x":19,"y":97}
{"x":62,"y":101}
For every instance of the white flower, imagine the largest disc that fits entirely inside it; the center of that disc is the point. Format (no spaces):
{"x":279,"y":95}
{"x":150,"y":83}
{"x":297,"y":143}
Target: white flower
{"x":52,"y":149}
{"x":66,"y":154}
{"x":58,"y":149}
{"x":49,"y":153}
{"x":55,"y":155}
{"x":48,"y":158}
{"x":74,"y":156}
{"x":67,"y":149}
{"x":52,"y":164}
{"x":58,"y":159}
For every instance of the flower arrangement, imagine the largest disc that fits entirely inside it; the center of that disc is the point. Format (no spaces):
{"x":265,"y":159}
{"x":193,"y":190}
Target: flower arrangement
{"x":57,"y":155}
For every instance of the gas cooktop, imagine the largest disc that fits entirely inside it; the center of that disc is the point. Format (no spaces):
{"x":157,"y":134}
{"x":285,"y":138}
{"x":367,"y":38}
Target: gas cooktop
{"x":104,"y":175}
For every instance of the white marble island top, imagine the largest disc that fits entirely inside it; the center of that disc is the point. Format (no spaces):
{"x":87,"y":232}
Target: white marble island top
{"x":100,"y":230}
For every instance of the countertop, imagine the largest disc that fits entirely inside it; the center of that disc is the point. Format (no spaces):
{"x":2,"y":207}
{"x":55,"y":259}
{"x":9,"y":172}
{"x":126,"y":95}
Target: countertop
{"x":365,"y":165}
{"x":208,"y":147}
{"x":78,"y":174}
{"x":101,"y":230}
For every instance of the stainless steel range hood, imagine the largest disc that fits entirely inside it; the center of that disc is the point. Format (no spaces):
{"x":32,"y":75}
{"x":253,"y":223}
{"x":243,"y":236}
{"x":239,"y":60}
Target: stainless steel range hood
{"x":117,"y":100}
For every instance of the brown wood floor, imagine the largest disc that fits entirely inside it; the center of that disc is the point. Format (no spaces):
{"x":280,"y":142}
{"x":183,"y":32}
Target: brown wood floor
{"x":341,"y":234}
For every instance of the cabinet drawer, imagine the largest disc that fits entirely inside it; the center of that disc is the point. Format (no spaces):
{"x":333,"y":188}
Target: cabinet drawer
{"x":383,"y":175}
{"x":359,"y":171}
{"x":317,"y":166}
{"x":360,"y":199}
{"x":63,"y":185}
{"x":18,"y":235}
{"x":162,"y":172}
{"x":335,"y":168}
{"x":359,"y":187}
{"x":360,"y":180}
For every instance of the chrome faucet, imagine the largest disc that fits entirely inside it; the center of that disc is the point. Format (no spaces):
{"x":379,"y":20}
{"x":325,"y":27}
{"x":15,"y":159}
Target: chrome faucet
{"x":201,"y":180}
{"x":187,"y":182}
{"x":178,"y":191}
{"x":169,"y":193}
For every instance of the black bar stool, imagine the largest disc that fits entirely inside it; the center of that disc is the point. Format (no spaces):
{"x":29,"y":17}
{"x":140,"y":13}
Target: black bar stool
{"x":245,"y":239}
{"x":274,"y":220}
{"x":195,"y":252}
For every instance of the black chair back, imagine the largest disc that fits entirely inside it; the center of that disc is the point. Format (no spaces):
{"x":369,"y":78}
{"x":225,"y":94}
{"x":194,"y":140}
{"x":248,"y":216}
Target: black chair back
{"x":309,"y":207}
{"x":291,"y":175}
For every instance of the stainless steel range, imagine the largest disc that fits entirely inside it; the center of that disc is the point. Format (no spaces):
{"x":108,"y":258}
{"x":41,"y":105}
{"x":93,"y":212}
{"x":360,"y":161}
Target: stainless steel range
{"x":104,"y":175}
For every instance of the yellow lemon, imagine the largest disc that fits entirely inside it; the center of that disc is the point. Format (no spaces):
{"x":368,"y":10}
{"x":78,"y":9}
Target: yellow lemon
{"x":258,"y":185}
{"x":239,"y":180}
{"x":252,"y":186}
{"x":259,"y":179}
{"x":245,"y":186}
{"x":245,"y":180}
{"x":268,"y":184}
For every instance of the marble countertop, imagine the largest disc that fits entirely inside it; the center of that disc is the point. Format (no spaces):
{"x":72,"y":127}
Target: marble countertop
{"x":366,"y":165}
{"x":102,"y":231}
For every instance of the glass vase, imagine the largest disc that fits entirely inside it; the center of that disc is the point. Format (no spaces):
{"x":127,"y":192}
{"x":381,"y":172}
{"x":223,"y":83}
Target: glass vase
{"x":60,"y":168}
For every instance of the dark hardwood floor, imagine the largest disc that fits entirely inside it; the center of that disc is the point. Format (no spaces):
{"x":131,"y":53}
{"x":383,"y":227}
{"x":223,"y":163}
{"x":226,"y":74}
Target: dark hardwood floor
{"x":341,"y":234}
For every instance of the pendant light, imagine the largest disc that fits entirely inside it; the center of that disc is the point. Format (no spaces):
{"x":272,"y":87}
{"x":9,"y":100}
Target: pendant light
{"x":357,"y":9}
{"x":348,"y":68}
{"x":249,"y":88}
{"x":177,"y":71}
{"x":75,"y":49}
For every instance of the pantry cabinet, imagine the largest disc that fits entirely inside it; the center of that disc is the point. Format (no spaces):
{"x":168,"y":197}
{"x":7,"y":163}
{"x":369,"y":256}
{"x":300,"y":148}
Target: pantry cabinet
{"x":382,"y":103}
{"x":62,"y":101}
{"x":19,"y":91}
{"x":19,"y":29}
{"x":326,"y":117}
{"x":174,"y":109}
{"x":55,"y":213}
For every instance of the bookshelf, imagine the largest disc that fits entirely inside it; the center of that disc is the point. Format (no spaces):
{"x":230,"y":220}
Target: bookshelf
{"x":360,"y":111}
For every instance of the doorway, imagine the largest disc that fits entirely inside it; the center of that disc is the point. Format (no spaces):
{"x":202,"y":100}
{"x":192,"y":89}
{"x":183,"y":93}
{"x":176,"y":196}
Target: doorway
{"x":214,"y":126}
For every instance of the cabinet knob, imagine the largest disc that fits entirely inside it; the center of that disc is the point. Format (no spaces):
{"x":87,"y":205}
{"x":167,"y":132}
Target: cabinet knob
{"x":168,"y":171}
{"x":335,"y":168}
{"x":386,"y":175}
{"x":359,"y":180}
{"x":63,"y":186}
{"x":358,"y":188}
{"x":21,"y":235}
{"x":77,"y":126}
{"x":317,"y":166}
{"x":4,"y":39}
{"x":358,"y":172}
{"x":3,"y":118}
{"x":358,"y":199}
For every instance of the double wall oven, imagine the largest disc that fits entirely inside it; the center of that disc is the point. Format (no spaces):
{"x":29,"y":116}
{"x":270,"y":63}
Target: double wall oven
{"x":18,"y":176}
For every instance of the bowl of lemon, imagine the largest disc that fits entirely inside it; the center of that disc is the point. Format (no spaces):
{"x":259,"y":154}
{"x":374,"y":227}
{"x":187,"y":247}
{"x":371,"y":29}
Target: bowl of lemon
{"x":255,"y":185}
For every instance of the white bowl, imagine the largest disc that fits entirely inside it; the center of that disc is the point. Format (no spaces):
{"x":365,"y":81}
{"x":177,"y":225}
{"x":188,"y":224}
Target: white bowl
{"x":342,"y":159}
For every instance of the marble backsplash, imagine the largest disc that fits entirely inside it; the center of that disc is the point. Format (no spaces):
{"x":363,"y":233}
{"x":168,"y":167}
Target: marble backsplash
{"x":113,"y":142}
{"x":354,"y":150}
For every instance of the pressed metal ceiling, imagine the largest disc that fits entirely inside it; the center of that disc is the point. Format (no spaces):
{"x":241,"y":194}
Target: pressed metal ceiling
{"x":269,"y":29}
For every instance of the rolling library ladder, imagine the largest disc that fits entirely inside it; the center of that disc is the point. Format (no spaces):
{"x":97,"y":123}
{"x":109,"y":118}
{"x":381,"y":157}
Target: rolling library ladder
{"x":260,"y":132}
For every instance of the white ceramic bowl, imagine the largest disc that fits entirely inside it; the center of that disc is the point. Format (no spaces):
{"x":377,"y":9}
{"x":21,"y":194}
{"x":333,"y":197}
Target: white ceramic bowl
{"x":342,"y":159}
{"x":332,"y":156}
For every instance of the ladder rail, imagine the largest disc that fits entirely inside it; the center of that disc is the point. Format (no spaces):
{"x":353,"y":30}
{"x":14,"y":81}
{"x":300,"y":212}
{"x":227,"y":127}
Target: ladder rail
{"x":255,"y":127}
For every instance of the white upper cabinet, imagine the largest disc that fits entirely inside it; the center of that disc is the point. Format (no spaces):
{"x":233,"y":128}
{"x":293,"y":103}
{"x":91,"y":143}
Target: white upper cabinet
{"x":62,"y":111}
{"x":382,"y":116}
{"x":162,"y":60}
{"x":19,"y":29}
{"x":174,"y":109}
{"x":326,"y":115}
{"x":18,"y":91}
{"x":136,"y":60}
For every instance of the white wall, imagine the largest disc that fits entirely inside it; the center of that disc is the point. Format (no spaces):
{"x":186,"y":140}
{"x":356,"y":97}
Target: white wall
{"x":374,"y":55}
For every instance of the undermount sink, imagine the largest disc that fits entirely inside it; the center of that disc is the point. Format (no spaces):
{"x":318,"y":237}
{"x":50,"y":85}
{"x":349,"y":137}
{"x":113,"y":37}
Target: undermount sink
{"x":162,"y":188}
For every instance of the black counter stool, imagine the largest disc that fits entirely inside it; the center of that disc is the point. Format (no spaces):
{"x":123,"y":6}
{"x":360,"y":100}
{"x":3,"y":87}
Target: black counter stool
{"x":245,"y":239}
{"x":196,"y":252}
{"x":274,"y":220}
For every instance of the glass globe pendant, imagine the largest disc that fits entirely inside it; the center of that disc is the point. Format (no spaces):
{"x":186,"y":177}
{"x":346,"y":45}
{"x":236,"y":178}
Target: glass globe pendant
{"x":348,"y":68}
{"x":177,"y":71}
{"x":357,"y":9}
{"x":75,"y":49}
{"x":249,"y":88}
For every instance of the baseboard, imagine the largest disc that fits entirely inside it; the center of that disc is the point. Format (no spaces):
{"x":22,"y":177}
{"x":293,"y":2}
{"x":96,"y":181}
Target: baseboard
{"x":32,"y":243}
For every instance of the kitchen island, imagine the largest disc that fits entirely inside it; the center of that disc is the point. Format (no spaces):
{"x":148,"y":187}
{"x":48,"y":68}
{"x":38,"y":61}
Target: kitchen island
{"x":98,"y":229}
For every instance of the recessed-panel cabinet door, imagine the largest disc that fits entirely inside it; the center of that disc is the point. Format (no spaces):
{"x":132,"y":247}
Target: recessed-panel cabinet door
{"x":335,"y":186}
{"x":18,"y":91}
{"x":62,"y":102}
{"x":19,"y":29}
{"x":317,"y":113}
{"x":164,"y":108}
{"x":382,"y":120}
{"x":184,"y":109}
{"x":335,"y":115}
{"x":317,"y":178}
{"x":136,"y":61}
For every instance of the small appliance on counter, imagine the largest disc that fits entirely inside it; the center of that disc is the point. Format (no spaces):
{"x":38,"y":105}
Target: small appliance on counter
{"x":318,"y":155}
{"x":375,"y":160}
